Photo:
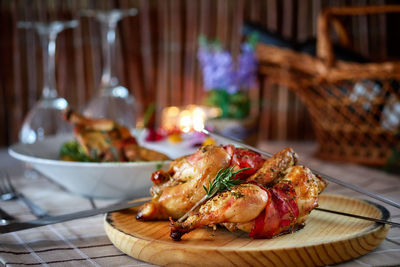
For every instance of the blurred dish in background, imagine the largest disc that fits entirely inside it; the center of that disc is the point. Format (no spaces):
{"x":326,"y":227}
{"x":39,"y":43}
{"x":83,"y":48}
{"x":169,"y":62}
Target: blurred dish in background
{"x":117,"y":180}
{"x":103,"y":140}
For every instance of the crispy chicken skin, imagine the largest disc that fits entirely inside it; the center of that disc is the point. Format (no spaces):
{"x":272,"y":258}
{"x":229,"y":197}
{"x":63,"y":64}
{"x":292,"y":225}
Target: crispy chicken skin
{"x":273,"y":169}
{"x":180,"y":171}
{"x":275,"y":196}
{"x":105,"y":140}
{"x":172,"y":190}
{"x":89,"y":123}
{"x":183,"y":186}
{"x":240,"y":205}
{"x":176,"y":191}
{"x":292,"y":199}
{"x":307,"y":186}
{"x":263,"y":212}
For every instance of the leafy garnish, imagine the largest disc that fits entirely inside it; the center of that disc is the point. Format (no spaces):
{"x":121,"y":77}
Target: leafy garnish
{"x":95,"y":155}
{"x":159,"y":165}
{"x":114,"y":152}
{"x":148,"y":114}
{"x":73,"y":151}
{"x":224,"y":180}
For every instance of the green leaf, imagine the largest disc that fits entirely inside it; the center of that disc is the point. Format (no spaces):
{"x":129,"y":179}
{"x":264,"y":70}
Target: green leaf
{"x":203,"y":40}
{"x":74,"y":151}
{"x":148,"y":114}
{"x":224,"y":180}
{"x":221,"y":99}
{"x":159,"y":165}
{"x":253,"y":39}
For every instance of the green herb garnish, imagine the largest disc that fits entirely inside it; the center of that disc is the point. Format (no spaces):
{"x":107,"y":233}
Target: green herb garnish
{"x":114,"y":152}
{"x":159,"y":165}
{"x":95,"y":155}
{"x":74,"y":151}
{"x":224,"y":180}
{"x":148,"y":114}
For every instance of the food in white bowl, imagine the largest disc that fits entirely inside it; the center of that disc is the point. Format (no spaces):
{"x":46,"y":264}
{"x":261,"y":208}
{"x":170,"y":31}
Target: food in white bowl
{"x":123,"y":173}
{"x":120,"y":180}
{"x":102,"y":159}
{"x":103,"y":140}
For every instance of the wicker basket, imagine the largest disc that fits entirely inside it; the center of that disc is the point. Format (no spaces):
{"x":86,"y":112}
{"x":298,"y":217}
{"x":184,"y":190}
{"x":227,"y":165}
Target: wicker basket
{"x":355,"y":107}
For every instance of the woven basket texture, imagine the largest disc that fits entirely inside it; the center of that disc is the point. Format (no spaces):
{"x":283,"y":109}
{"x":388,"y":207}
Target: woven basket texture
{"x":355,"y":107}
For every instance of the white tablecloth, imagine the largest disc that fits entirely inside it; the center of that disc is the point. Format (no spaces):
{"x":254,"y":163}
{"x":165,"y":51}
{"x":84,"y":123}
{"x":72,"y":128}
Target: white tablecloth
{"x":84,"y":243}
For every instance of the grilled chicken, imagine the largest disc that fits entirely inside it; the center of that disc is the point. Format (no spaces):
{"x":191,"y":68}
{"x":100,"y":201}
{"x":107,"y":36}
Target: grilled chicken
{"x":262,"y":212}
{"x":177,"y":190}
{"x":273,"y":169}
{"x":105,"y":140}
{"x":275,"y":196}
{"x":241,"y":204}
{"x":307,"y":186}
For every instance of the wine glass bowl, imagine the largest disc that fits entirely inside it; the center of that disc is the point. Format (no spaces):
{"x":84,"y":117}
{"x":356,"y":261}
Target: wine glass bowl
{"x":45,"y":119}
{"x":112,"y":100}
{"x":115,"y":103}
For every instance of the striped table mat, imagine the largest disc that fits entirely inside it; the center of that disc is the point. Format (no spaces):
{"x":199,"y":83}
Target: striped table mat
{"x":84,"y":243}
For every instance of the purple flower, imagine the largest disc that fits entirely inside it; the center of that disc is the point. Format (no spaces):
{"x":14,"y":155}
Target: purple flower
{"x":247,"y":67}
{"x":219,"y":72}
{"x":218,"y":69}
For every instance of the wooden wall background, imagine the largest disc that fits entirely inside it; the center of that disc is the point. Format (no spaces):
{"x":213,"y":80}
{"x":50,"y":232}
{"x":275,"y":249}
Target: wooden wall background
{"x":157,"y":53}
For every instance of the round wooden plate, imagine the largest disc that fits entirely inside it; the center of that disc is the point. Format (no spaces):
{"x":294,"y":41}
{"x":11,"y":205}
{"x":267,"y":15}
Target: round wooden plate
{"x":326,"y":239}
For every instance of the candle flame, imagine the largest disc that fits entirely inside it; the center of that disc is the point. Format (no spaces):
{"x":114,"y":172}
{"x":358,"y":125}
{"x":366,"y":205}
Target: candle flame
{"x":185,"y":122}
{"x":189,"y":118}
{"x":198,"y":119}
{"x":192,"y":119}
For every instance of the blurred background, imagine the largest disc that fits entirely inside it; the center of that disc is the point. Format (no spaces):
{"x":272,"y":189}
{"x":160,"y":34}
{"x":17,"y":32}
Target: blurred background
{"x":156,"y":53}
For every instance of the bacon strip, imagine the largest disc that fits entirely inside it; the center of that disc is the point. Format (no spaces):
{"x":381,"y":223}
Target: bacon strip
{"x":244,"y":158}
{"x":280,"y":213}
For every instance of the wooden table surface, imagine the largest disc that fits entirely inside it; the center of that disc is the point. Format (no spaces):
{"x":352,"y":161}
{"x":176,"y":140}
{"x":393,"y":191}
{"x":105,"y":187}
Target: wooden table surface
{"x":84,"y":242}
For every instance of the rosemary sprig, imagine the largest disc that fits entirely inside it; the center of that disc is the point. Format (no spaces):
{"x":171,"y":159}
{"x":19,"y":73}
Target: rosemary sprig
{"x":224,"y":180}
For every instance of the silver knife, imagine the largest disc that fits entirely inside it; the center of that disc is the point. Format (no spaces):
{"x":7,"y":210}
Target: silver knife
{"x":18,"y":226}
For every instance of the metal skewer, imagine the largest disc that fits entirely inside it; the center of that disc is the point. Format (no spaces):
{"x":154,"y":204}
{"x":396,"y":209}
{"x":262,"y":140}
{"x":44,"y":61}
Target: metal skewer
{"x":327,"y":177}
{"x":359,"y":217}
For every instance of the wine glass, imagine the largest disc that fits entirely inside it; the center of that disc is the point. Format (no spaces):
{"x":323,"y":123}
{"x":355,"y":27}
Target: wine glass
{"x":45,"y":119}
{"x":112,"y":100}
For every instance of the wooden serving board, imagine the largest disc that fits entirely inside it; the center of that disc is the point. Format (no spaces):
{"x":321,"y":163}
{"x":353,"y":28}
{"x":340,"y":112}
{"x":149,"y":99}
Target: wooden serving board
{"x":326,"y":239}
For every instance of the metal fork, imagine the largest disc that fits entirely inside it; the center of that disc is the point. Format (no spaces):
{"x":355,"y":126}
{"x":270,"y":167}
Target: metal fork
{"x":8,"y":192}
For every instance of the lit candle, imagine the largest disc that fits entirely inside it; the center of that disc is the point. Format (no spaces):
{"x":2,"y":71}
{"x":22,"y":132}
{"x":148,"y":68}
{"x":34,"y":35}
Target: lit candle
{"x":199,"y":117}
{"x":187,"y":119}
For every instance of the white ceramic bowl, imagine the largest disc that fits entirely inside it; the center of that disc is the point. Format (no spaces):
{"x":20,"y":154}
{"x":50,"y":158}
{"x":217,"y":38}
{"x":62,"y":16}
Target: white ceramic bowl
{"x":122,"y":180}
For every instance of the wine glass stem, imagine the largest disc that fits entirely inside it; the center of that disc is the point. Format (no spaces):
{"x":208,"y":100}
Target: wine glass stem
{"x":49,"y":74}
{"x":108,"y":78}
